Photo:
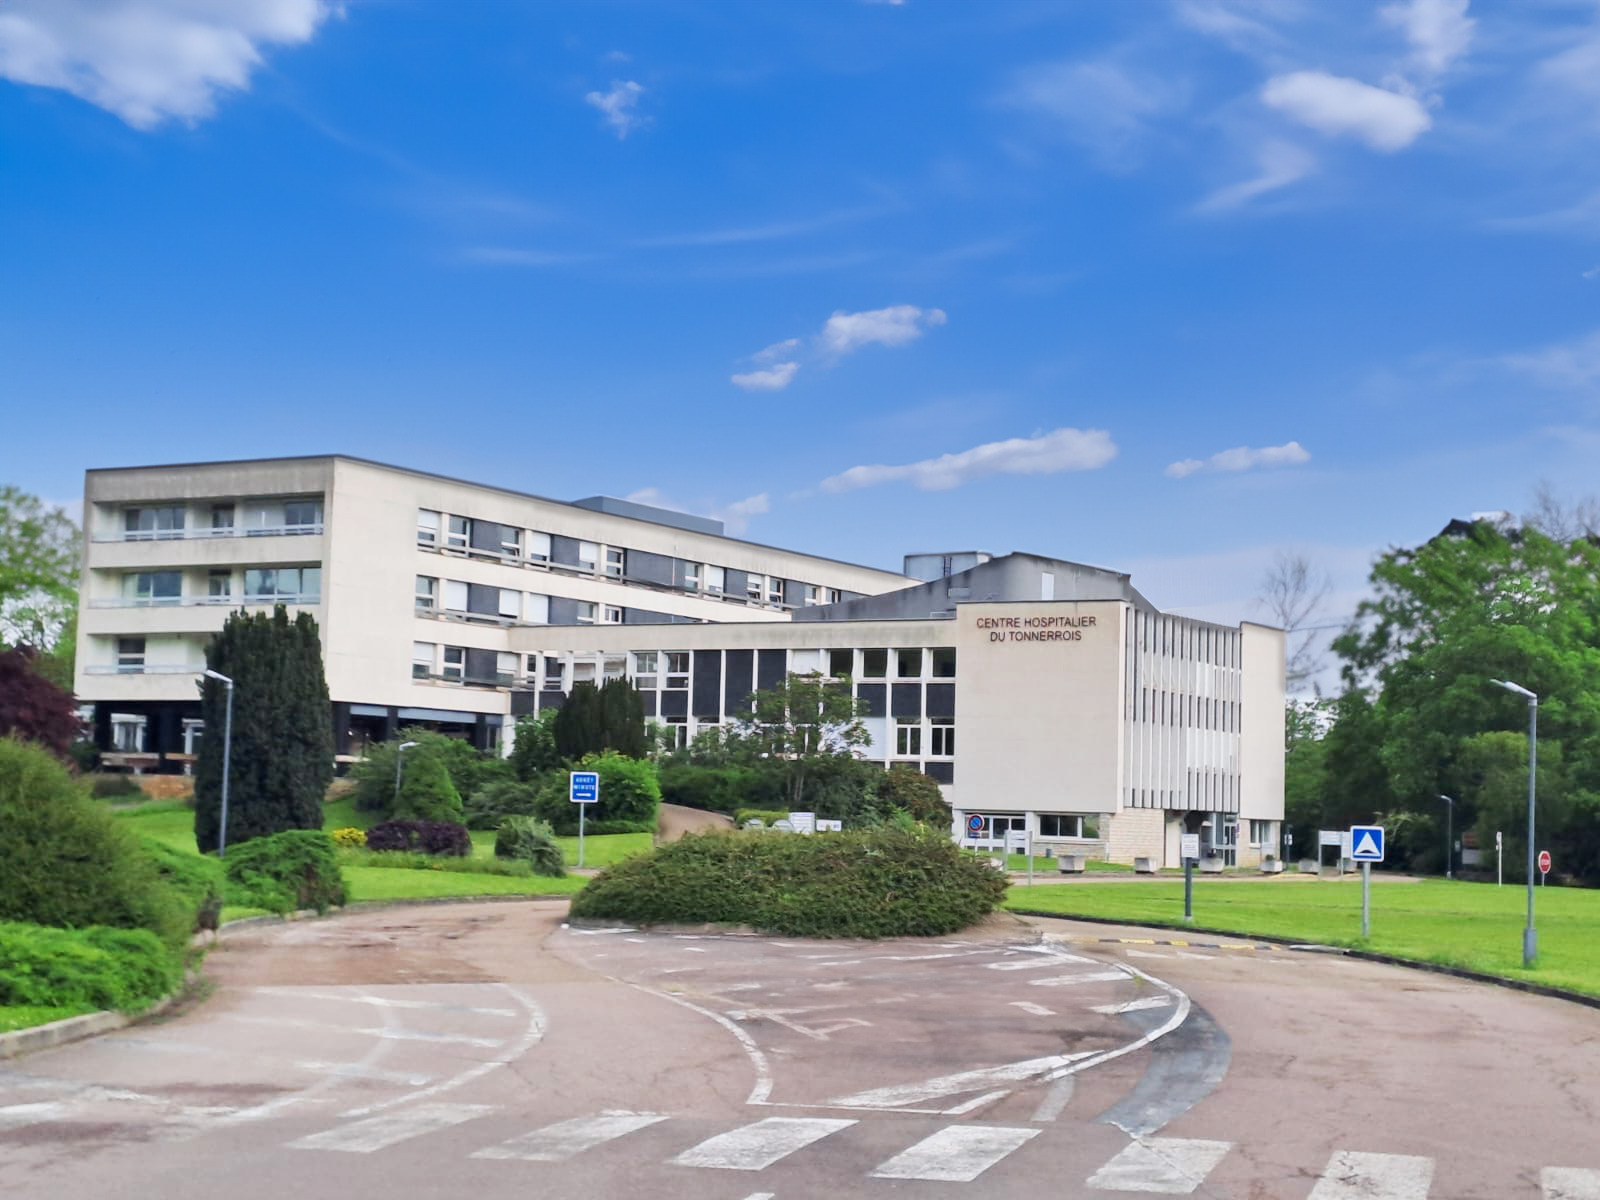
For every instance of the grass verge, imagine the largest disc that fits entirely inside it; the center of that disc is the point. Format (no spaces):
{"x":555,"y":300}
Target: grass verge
{"x":26,"y":1016}
{"x":1475,"y":926}
{"x":384,"y":883}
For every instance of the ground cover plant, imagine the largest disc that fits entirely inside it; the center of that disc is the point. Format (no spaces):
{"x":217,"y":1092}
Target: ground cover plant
{"x":1476,"y":926}
{"x":92,"y":968}
{"x":530,"y":840}
{"x":444,"y":838}
{"x":375,"y":884}
{"x":885,"y":882}
{"x":295,"y":869}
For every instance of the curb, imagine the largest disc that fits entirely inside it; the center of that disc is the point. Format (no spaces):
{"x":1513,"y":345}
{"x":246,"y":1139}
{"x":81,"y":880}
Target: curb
{"x":1269,"y":942}
{"x":74,"y":1029}
{"x":310,"y":914}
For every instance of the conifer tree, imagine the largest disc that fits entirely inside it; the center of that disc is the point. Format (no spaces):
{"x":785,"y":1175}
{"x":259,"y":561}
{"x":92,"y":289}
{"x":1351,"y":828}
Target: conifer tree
{"x":282,"y":752}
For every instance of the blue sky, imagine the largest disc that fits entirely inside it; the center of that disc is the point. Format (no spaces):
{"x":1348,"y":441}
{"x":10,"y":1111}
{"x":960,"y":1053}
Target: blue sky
{"x":1163,"y":286}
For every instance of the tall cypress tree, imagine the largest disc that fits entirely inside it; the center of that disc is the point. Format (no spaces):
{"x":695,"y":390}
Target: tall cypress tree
{"x":282,"y":753}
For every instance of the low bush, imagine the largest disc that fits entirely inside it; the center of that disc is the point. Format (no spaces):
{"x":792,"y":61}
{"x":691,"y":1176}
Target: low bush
{"x":884,"y":882}
{"x":530,"y":840}
{"x":909,"y":790}
{"x":66,"y":861}
{"x":421,"y":837}
{"x":197,"y":880}
{"x":494,"y":802}
{"x":296,"y":869}
{"x":426,"y":793}
{"x":114,"y":787}
{"x":405,"y":860}
{"x":469,"y":769}
{"x":349,"y":838}
{"x":767,"y":816}
{"x":96,"y":967}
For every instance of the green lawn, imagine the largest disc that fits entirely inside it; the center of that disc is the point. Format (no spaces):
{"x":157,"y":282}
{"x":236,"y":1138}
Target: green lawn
{"x":26,"y":1016}
{"x":382,"y":883}
{"x":1478,"y":926}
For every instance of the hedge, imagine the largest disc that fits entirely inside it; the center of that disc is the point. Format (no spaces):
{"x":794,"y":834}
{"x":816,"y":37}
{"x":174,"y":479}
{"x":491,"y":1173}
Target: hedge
{"x":630,"y":797}
{"x":421,"y":837}
{"x":884,"y":882}
{"x":127,"y":969}
{"x":296,"y":869}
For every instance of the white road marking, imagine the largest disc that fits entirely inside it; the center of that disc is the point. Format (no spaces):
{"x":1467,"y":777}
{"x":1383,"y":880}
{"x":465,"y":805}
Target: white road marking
{"x":599,"y":932}
{"x":697,"y":950}
{"x":377,"y":1133}
{"x":976,"y":1103}
{"x":1145,"y":954}
{"x":905,"y":1094}
{"x":1086,"y":977}
{"x":387,"y":1002}
{"x":1171,"y":1166}
{"x":357,"y":1071}
{"x":1133,"y":1005}
{"x":761,"y":1196}
{"x":741,"y":987}
{"x":1035,"y":963}
{"x":762,"y":1088}
{"x":1569,"y":1183}
{"x":1351,"y":1175}
{"x":389,"y":1033}
{"x":558,"y":1142}
{"x":956,"y":1154}
{"x":757,"y":1146}
{"x":1056,"y":1099}
{"x":1038,"y":1010}
{"x":15,"y":1116}
{"x":1192,"y":954}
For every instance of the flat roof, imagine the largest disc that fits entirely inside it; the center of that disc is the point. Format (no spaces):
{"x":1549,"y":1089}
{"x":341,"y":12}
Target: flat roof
{"x":493,"y":487}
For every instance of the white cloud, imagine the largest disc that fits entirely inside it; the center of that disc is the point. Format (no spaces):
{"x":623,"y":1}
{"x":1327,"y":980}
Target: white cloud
{"x":735,"y":517}
{"x":511,"y":256}
{"x":892,"y":326}
{"x":1043,"y":454}
{"x":770,"y":379}
{"x":1100,"y":104}
{"x":149,"y":60}
{"x":1439,"y":30}
{"x":1242,"y":458}
{"x":617,"y":106}
{"x":1282,"y":163}
{"x":1218,"y":19}
{"x":1334,"y":105}
{"x":1567,"y":364}
{"x":1592,"y":273}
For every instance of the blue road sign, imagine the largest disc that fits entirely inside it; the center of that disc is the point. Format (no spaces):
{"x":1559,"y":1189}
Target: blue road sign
{"x":584,"y":787}
{"x":974,"y":824}
{"x":1366,"y":843}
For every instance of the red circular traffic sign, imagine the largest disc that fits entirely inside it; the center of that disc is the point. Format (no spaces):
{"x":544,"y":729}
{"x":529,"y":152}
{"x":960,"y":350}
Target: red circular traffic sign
{"x":1544,"y":862}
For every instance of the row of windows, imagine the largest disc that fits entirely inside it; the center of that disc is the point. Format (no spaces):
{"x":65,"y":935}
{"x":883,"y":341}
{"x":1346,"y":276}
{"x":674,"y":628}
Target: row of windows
{"x":450,"y":532}
{"x":291,"y":585}
{"x":222,"y":519}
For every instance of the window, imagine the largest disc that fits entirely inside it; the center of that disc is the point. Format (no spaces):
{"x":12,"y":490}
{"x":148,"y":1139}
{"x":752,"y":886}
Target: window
{"x":841,"y":663}
{"x":291,"y":585}
{"x":130,"y":655}
{"x":538,"y":547}
{"x":588,"y":555}
{"x":427,"y":592}
{"x":677,"y":668}
{"x":610,"y":614}
{"x":422,"y":659}
{"x":833,"y":596}
{"x":1260,"y":833}
{"x":1065,"y":825}
{"x":752,"y":589}
{"x":908,"y":664}
{"x":678,"y":728}
{"x":616,"y":561}
{"x":774,"y":591}
{"x":127,"y":733}
{"x":714,"y":580}
{"x":505,"y":668}
{"x":219,"y":584}
{"x":532,"y":669}
{"x":582,"y":672}
{"x":874,"y":664}
{"x":459,"y":536}
{"x":943,"y":737}
{"x":427,"y":527}
{"x":153,"y":587}
{"x":510,"y":604}
{"x":691,"y":576}
{"x":193,"y":730}
{"x":615,"y":666}
{"x":585,"y":610}
{"x":455,"y":595}
{"x":536,"y":609}
{"x":1047,"y":585}
{"x":455,"y":663}
{"x":510,"y":542}
{"x":554,"y":669}
{"x":222,"y":518}
{"x":813,"y":594}
{"x":944,"y":662}
{"x":645,"y":665}
{"x":302,"y":516}
{"x":145,"y":524}
{"x":908,"y":736}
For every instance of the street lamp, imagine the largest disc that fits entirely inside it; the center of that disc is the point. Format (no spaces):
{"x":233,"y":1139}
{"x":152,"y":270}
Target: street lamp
{"x":1530,"y":939}
{"x":1449,"y":837}
{"x":399,"y":763}
{"x":227,"y":754}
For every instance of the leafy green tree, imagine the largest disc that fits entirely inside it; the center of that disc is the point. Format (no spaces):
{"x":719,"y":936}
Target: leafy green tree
{"x":469,"y":768}
{"x":426,"y":793}
{"x":40,"y":553}
{"x":803,"y":724}
{"x":910,"y":791}
{"x":281,"y":760}
{"x":535,"y":751}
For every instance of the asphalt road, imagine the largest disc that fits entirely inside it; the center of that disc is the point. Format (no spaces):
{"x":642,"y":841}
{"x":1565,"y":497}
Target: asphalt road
{"x":487,"y":1051}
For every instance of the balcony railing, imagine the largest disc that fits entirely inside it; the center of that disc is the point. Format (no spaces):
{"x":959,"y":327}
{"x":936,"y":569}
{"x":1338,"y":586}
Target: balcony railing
{"x":305,"y":599}
{"x":203,"y":534}
{"x":143,"y":669}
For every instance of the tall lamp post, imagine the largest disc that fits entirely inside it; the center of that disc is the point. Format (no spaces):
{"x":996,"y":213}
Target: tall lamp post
{"x":399,"y":764}
{"x":1530,"y":939}
{"x":1449,"y":837}
{"x":227,"y":754}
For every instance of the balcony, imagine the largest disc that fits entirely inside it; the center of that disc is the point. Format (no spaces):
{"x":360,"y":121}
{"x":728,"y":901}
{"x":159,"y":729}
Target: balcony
{"x":307,"y":600}
{"x":208,"y":535}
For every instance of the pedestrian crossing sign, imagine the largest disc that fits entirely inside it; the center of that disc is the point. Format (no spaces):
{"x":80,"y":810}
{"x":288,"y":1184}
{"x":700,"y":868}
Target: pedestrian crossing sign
{"x":1366,"y":843}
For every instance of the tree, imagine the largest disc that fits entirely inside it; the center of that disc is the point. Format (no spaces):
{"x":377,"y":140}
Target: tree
{"x":426,"y":793}
{"x":535,"y":751}
{"x":1560,"y":519}
{"x":469,"y":768}
{"x":806,"y":721}
{"x":596,"y":720}
{"x":281,"y":760}
{"x":1293,"y":591}
{"x":909,"y":790}
{"x":40,"y":552}
{"x":32,"y":707}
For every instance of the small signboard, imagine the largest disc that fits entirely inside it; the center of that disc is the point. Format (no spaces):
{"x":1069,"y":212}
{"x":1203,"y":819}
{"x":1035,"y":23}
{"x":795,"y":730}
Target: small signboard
{"x":1331,"y":837}
{"x":803,"y":822}
{"x":975,"y":824}
{"x":1016,"y":841}
{"x":830,"y":826}
{"x":1188,"y":845}
{"x":1544,"y":862}
{"x":1366,"y":843}
{"x":783,"y":826}
{"x":583,"y":787}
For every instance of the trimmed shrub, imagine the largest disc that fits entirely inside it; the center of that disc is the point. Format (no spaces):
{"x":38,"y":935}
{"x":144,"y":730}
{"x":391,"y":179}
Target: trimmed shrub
{"x":421,"y":837}
{"x":426,"y":793}
{"x":114,"y":787}
{"x":349,"y":838}
{"x":197,"y":880}
{"x":530,"y":840}
{"x":296,"y":869}
{"x":874,"y":883}
{"x":909,"y":790}
{"x":494,"y":802}
{"x":372,"y":779}
{"x":767,"y":816}
{"x":66,"y":861}
{"x":127,"y":969}
{"x":630,"y":797}
{"x":719,"y":789}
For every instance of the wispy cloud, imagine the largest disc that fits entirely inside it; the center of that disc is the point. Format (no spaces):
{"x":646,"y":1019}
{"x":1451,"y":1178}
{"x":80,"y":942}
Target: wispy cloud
{"x":1099,"y":104}
{"x":892,"y":326}
{"x":1281,"y":163}
{"x":1242,"y":458}
{"x":618,"y":106}
{"x":1043,"y":454}
{"x":1592,"y":273}
{"x":735,"y":517}
{"x":1573,"y":364}
{"x":1584,"y":216}
{"x":510,"y":256}
{"x":737,"y":235}
{"x":1234,"y":24}
{"x":1339,"y":107}
{"x":775,"y":368}
{"x":1439,"y":31}
{"x":149,"y":61}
